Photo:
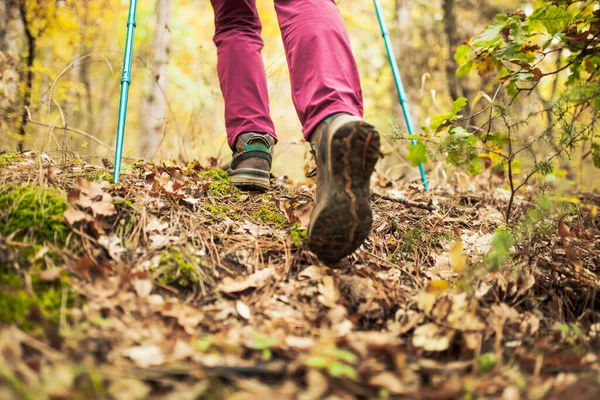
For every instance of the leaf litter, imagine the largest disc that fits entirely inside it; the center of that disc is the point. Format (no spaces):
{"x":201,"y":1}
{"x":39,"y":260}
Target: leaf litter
{"x":185,"y":291}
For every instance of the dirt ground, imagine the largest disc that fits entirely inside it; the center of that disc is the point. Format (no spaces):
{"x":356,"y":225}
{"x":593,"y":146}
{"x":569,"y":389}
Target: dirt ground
{"x":173,"y":284}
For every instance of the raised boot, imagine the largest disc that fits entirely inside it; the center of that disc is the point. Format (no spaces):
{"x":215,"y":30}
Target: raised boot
{"x":251,"y":161}
{"x":346,"y":150}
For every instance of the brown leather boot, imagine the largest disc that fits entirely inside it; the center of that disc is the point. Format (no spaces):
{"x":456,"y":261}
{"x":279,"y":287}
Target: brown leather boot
{"x":251,"y":161}
{"x":346,"y":150}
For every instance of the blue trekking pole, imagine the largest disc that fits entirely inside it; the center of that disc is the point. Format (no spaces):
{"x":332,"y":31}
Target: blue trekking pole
{"x":399,"y":85}
{"x":125,"y":83}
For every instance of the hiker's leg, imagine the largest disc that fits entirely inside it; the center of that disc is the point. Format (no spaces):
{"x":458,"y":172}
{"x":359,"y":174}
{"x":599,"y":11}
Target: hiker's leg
{"x":241,"y":69}
{"x":323,"y":71}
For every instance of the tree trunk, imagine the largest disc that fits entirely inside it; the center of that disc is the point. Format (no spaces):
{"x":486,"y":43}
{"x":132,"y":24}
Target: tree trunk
{"x":28,"y":78}
{"x":453,"y":42}
{"x":154,"y":105}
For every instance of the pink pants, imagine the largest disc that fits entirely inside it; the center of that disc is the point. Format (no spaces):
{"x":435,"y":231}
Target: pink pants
{"x":323,"y":71}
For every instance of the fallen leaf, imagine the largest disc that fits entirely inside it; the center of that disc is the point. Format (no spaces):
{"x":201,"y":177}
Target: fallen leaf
{"x":142,"y":284}
{"x":112,"y":244}
{"x":181,"y":351}
{"x":458,"y":260}
{"x":243,"y":310}
{"x":74,"y":216}
{"x":51,"y":275}
{"x":255,"y":280}
{"x":431,"y":337}
{"x":329,"y":294}
{"x":128,"y":389}
{"x":160,"y":241}
{"x":145,"y":356}
{"x":388,"y":381}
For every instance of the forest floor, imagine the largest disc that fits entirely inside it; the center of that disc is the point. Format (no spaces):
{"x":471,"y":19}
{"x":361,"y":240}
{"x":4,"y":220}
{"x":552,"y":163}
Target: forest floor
{"x":174,"y":284}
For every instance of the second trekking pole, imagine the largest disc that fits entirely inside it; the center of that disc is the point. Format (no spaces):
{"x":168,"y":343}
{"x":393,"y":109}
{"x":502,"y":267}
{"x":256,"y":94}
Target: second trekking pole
{"x":399,"y":85}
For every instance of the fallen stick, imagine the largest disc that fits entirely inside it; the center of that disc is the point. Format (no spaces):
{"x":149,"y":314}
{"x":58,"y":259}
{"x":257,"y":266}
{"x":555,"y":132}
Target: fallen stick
{"x":405,"y":202}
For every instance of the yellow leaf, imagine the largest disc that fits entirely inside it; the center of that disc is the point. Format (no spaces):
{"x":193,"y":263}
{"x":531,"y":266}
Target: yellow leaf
{"x":458,"y":261}
{"x":437,"y":287}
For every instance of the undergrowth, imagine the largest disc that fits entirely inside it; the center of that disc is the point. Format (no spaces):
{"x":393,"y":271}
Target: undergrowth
{"x":178,"y":268}
{"x":33,"y":211}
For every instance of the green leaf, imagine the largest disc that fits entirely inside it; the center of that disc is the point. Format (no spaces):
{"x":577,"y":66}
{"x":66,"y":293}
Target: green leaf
{"x":462,"y":54}
{"x":525,"y":76}
{"x":554,"y":18}
{"x":441,"y":120}
{"x":500,"y":251}
{"x":458,"y":105}
{"x":465,"y":68}
{"x":486,"y":362}
{"x":491,"y":36}
{"x":475,"y":167}
{"x":497,"y":139}
{"x":596,"y":154}
{"x":417,"y":154}
{"x":460,"y":132}
{"x":338,"y":370}
{"x":317,"y":362}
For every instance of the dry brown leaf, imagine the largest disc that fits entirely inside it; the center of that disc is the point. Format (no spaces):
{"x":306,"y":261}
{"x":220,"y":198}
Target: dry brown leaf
{"x":329,"y":294}
{"x":104,"y":207}
{"x":51,"y":275}
{"x":302,"y":213}
{"x":74,"y":216}
{"x":257,"y":279}
{"x":388,"y":381}
{"x":431,"y":337}
{"x":243,"y":310}
{"x":128,"y":389}
{"x":181,"y":351}
{"x":145,"y":356}
{"x":312,"y":273}
{"x":142,"y":285}
{"x":112,"y":244}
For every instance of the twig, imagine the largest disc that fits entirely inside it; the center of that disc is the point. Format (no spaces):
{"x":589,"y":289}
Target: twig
{"x":75,"y":130}
{"x":405,"y":202}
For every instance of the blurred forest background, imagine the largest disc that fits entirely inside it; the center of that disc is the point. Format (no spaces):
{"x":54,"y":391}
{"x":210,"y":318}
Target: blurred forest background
{"x":60,"y":68}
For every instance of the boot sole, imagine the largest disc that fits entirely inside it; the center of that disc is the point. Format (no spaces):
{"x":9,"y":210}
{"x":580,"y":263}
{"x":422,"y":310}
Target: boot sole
{"x":342,"y":219}
{"x":250,"y":179}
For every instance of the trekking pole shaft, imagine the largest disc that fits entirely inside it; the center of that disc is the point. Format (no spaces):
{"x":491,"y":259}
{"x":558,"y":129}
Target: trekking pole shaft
{"x":399,"y":85}
{"x":125,"y":83}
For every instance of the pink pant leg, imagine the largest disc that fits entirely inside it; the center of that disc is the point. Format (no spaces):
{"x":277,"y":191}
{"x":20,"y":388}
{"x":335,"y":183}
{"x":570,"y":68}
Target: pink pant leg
{"x":240,"y":67}
{"x":323,"y":70}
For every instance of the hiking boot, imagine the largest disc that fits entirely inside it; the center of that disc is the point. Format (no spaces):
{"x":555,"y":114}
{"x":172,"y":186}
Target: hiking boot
{"x":251,"y":161}
{"x":346,"y":150}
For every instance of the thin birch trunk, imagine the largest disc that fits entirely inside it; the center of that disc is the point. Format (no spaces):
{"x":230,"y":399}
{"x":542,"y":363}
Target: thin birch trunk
{"x":154,"y":105}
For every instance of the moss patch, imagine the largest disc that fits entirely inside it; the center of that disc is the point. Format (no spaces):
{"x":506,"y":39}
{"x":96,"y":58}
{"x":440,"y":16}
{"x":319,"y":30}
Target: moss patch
{"x":178,"y":268}
{"x":298,"y":234}
{"x":95,"y":176}
{"x":16,"y":303}
{"x":270,"y":214}
{"x":7,"y":159}
{"x":222,"y":211}
{"x":221,"y":182}
{"x":31,"y":210}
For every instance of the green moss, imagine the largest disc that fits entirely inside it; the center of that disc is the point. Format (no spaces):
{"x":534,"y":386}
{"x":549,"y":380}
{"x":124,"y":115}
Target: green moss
{"x":270,"y":214}
{"x":15,"y":302}
{"x":14,"y":307}
{"x":33,"y":210}
{"x":298,"y":234}
{"x":98,"y":176}
{"x":222,"y":211}
{"x":7,"y":159}
{"x":221,"y":183}
{"x":177,"y":268}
